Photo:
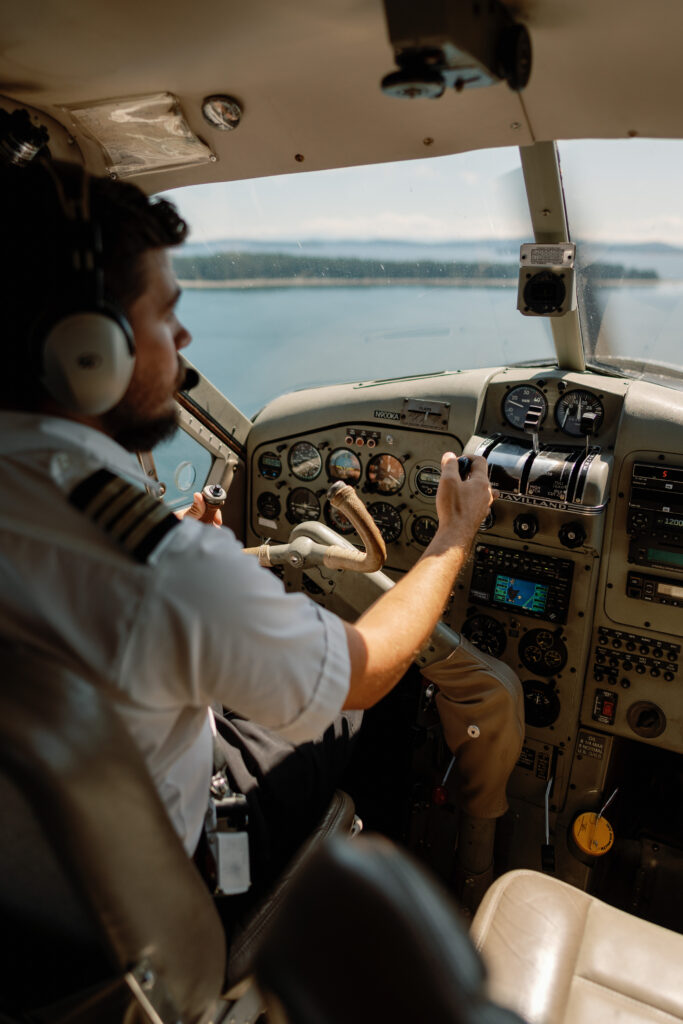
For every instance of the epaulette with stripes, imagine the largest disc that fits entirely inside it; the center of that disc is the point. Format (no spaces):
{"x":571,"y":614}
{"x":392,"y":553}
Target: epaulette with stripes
{"x":136,"y":521}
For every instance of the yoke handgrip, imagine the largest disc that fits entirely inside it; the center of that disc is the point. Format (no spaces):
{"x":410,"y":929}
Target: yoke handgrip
{"x":345,"y":500}
{"x":303,"y":552}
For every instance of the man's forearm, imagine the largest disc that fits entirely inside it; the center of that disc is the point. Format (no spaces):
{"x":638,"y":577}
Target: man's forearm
{"x":386,"y":638}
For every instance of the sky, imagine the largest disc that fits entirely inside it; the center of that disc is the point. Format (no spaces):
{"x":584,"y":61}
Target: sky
{"x":617,"y":191}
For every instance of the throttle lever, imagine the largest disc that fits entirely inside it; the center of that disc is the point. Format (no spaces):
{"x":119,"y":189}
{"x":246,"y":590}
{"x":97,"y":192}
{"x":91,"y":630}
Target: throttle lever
{"x":464,"y":466}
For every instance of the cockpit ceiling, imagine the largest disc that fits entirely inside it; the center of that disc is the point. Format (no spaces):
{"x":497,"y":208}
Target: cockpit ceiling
{"x":307,"y":75}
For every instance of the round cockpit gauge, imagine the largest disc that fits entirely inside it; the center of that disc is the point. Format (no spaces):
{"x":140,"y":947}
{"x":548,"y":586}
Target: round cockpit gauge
{"x":541,"y":704}
{"x":270,"y":465}
{"x":268,"y":505}
{"x":573,"y":406}
{"x":423,"y":529}
{"x":517,"y":403}
{"x":337,"y":520}
{"x":305,"y":461}
{"x":543,"y":652}
{"x":302,"y":505}
{"x":427,"y":480}
{"x":344,"y":464}
{"x":385,"y":474}
{"x":486,"y":633}
{"x":388,"y":520}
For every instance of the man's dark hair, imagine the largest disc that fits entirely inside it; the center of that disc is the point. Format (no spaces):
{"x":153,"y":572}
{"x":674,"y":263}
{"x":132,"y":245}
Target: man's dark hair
{"x":35,"y":260}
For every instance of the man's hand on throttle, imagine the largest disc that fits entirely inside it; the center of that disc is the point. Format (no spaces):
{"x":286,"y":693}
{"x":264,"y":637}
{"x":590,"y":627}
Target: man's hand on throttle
{"x":463,"y":504}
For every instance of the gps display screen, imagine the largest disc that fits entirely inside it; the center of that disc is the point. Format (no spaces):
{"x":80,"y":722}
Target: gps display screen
{"x":520,"y":593}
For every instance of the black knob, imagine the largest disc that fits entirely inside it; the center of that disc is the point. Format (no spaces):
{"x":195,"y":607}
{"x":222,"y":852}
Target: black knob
{"x":572,"y":535}
{"x":525,"y":525}
{"x":464,"y":466}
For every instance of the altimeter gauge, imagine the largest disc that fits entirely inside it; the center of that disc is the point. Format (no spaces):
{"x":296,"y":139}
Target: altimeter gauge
{"x":519,"y":401}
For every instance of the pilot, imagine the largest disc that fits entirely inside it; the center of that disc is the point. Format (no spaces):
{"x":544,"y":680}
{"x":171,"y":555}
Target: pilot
{"x":169,"y":617}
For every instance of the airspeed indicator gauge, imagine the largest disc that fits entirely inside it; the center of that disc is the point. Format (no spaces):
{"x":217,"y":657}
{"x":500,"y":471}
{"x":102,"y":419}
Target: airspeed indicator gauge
{"x":517,"y":403}
{"x":573,"y":406}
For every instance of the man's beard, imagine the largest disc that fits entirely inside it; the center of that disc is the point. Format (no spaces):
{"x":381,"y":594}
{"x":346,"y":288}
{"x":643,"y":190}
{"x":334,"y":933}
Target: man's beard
{"x":135,"y":433}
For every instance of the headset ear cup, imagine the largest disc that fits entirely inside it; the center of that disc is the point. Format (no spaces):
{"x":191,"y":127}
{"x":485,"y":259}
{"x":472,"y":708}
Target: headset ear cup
{"x":87,"y":361}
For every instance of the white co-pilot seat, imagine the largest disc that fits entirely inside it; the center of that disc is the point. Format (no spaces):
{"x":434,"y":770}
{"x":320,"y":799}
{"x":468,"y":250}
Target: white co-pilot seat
{"x":559,"y":956}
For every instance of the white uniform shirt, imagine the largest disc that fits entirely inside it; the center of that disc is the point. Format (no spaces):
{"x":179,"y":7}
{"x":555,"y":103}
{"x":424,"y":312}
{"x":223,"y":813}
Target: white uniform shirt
{"x":198,"y":623}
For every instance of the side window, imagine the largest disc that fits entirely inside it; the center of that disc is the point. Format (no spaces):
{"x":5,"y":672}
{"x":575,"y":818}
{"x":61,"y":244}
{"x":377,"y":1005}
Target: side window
{"x":182,"y":464}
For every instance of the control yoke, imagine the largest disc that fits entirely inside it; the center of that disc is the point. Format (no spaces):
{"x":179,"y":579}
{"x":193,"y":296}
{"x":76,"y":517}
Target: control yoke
{"x":303,"y":552}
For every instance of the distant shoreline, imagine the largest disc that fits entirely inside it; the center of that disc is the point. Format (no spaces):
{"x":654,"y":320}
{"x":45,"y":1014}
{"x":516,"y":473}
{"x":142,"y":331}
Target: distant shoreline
{"x":398,"y":282}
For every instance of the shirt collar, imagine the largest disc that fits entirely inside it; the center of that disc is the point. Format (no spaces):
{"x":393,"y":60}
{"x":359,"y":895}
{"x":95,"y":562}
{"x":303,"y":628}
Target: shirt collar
{"x":27,"y":431}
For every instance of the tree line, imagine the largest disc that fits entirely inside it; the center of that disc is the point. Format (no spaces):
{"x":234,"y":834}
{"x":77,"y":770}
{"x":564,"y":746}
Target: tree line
{"x":244,"y":266}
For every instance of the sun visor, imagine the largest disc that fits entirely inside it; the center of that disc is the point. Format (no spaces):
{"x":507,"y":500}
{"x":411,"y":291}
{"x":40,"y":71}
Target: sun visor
{"x":139,"y":134}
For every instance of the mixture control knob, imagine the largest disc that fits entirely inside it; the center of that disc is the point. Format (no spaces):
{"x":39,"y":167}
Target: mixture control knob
{"x":572,"y":535}
{"x":526,"y":525}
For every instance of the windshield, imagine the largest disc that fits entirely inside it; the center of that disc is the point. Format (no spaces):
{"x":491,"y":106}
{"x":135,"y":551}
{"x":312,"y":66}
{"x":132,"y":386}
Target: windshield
{"x":357,"y":274}
{"x":626,"y":217}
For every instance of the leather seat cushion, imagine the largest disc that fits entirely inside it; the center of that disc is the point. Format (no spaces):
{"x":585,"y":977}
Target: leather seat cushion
{"x":557,"y":955}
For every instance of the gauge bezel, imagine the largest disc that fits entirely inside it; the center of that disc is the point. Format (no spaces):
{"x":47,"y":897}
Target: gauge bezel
{"x":293,"y":469}
{"x":288,"y":509}
{"x":268,"y":496}
{"x":376,"y":488}
{"x":508,"y":417}
{"x":352,"y":481}
{"x":562,"y":401}
{"x":419,"y":518}
{"x":425,"y":467}
{"x":269,"y":476}
{"x":391,"y":539}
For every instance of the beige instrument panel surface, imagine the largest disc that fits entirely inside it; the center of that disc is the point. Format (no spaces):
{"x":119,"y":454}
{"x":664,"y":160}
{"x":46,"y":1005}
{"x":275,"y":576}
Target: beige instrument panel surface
{"x":570,"y":650}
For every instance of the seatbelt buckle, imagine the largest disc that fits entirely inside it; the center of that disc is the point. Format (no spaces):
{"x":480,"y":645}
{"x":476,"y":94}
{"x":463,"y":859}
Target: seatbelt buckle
{"x":226,"y":829}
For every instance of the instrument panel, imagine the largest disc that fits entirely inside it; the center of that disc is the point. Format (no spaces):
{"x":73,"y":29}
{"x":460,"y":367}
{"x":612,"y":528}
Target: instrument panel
{"x":576,"y":572}
{"x":396,"y":471}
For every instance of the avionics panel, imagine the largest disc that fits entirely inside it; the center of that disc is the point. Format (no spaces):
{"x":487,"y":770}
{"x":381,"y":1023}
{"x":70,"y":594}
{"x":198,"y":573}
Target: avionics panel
{"x":655,"y":517}
{"x":535,"y":585}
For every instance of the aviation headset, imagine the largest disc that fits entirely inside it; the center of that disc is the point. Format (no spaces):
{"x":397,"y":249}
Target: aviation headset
{"x":85,"y":349}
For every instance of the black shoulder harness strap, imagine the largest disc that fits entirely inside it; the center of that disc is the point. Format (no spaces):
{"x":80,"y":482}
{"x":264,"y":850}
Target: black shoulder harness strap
{"x":136,"y":521}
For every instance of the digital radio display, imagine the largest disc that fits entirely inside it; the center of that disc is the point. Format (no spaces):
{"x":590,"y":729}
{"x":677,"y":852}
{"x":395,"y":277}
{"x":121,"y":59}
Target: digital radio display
{"x":657,"y":556}
{"x":520,"y":593}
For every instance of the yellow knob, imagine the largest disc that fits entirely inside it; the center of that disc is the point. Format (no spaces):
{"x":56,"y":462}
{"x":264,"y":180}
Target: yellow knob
{"x":592,"y":835}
